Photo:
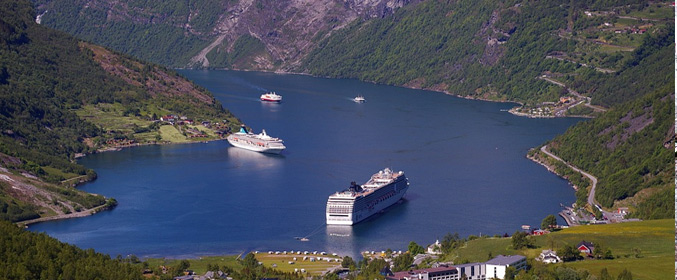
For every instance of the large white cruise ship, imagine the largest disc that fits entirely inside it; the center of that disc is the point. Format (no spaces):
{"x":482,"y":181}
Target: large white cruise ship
{"x":357,"y":203}
{"x":256,"y":142}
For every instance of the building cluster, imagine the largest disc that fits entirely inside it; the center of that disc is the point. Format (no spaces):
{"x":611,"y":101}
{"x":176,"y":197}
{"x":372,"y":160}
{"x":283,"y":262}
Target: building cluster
{"x":491,"y":269}
{"x":549,"y":256}
{"x":210,"y":275}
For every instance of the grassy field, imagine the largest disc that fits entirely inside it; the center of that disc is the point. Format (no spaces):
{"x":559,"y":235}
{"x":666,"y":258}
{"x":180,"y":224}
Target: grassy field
{"x":169,"y":133}
{"x":653,"y":239}
{"x":198,"y":265}
{"x":655,"y":11}
{"x":279,"y":262}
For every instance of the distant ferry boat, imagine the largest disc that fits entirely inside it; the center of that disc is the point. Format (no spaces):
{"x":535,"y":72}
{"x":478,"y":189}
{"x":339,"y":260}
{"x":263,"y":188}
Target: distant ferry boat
{"x":357,"y":203}
{"x":271,"y":97}
{"x":359,"y":99}
{"x":256,"y":142}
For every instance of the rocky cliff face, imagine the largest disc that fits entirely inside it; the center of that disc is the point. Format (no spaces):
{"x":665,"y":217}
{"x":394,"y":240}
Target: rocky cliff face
{"x":208,"y":30}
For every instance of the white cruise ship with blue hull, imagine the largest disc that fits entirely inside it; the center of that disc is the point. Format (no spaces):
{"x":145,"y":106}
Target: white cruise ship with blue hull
{"x":359,"y":202}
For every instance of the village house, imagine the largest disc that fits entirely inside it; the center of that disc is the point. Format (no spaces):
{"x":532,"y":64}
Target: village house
{"x":585,"y":247}
{"x":435,"y":248}
{"x":548,"y":256}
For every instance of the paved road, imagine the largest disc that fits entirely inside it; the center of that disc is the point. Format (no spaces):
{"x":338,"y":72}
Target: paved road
{"x":591,"y":195}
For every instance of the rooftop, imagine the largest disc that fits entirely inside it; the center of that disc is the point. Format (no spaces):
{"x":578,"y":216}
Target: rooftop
{"x":403,"y":274}
{"x":505,"y":260}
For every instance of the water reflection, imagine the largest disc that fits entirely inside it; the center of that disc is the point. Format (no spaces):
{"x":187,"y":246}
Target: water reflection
{"x":341,"y":240}
{"x":247,"y":158}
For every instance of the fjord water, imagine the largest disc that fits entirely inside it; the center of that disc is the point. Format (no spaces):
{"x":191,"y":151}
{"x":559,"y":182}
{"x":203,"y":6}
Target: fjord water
{"x":465,"y":161}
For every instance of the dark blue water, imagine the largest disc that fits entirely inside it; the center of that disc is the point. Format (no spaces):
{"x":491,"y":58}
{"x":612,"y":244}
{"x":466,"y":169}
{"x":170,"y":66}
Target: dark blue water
{"x":465,"y":161}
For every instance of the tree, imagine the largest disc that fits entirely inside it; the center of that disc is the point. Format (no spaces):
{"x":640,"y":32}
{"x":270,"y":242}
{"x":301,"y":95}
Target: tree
{"x":402,"y":262}
{"x":521,"y":240}
{"x":510,"y":273}
{"x":250,"y":261}
{"x":348,"y":262}
{"x":625,"y":275}
{"x":415,"y":249}
{"x":450,"y":242}
{"x":183,"y":265}
{"x":549,"y":222}
{"x":569,"y":253}
{"x":604,"y":275}
{"x":602,"y":252}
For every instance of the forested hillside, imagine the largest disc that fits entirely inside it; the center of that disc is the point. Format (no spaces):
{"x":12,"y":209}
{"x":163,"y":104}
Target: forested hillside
{"x":28,"y":255}
{"x":54,"y":91}
{"x":630,"y":150}
{"x":498,"y":49}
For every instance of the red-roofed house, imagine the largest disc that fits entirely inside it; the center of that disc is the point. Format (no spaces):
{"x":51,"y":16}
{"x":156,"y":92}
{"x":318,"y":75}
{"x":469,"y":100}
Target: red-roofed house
{"x":586,"y":247}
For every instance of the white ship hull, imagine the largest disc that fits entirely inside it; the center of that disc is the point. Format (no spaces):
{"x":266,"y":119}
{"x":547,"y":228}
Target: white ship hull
{"x":359,"y":216}
{"x":349,"y":210}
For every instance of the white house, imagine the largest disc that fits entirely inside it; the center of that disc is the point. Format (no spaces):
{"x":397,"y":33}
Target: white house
{"x":495,"y":268}
{"x":435,"y":248}
{"x":548,"y":256}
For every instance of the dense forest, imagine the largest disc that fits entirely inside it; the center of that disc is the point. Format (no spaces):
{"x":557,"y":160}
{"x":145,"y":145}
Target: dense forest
{"x":47,"y":77}
{"x":28,"y":255}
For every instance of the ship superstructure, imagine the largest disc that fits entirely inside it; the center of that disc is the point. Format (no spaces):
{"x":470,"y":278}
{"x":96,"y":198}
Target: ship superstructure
{"x":359,"y":202}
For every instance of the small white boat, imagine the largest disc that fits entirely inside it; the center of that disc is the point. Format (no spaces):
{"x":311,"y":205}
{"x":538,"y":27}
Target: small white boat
{"x":359,"y":99}
{"x":271,"y":97}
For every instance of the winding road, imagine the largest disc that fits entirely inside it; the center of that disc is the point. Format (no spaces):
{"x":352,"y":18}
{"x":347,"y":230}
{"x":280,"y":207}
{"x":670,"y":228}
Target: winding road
{"x":591,"y":195}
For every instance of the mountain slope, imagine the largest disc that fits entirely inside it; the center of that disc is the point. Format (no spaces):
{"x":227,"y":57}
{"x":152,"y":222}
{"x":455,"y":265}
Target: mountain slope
{"x":209,"y":33}
{"x":497,"y":50}
{"x":52,"y":88}
{"x":630,"y":149}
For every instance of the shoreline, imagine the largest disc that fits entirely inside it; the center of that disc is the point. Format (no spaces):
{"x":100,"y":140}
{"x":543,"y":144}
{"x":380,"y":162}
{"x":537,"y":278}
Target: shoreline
{"x":468,"y":97}
{"x":105,"y":206}
{"x":549,"y":167}
{"x":84,"y":213}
